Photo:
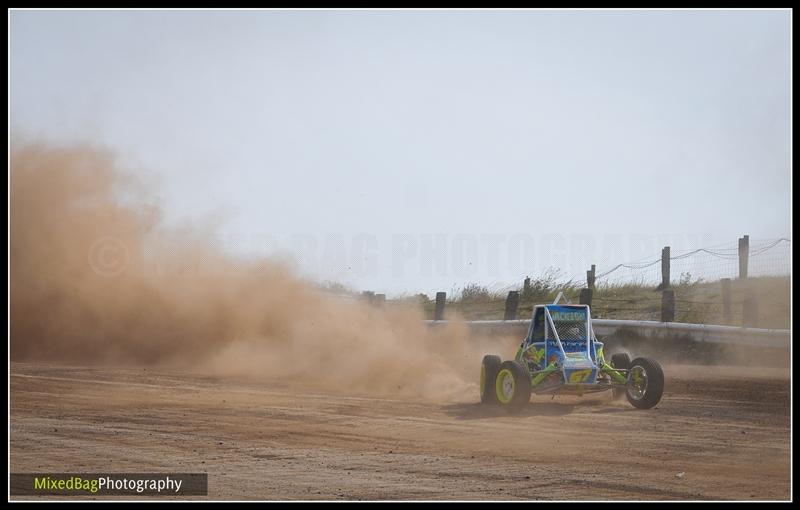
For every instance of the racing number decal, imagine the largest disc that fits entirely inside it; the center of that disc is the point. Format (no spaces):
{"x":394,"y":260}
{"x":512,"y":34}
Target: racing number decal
{"x":579,"y":376}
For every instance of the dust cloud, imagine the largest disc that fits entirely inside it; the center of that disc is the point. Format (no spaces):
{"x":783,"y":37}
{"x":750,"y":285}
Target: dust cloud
{"x":96,"y":278}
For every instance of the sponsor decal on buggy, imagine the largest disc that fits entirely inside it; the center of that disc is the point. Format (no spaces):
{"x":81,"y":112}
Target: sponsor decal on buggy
{"x":569,"y":345}
{"x":580,"y":376}
{"x":570,"y":316}
{"x":535,"y":354}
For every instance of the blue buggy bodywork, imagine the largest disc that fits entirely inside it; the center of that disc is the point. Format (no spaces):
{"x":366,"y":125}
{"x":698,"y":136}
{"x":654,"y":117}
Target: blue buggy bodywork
{"x":560,"y":340}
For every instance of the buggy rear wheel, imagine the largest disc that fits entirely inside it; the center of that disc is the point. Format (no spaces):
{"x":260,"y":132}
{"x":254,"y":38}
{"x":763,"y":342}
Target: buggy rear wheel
{"x":621,"y":361}
{"x":645,"y":383}
{"x":489,"y":368}
{"x":512,"y":386}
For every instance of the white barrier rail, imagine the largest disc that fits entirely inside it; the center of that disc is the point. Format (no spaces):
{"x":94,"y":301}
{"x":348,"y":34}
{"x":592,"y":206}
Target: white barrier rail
{"x":754,"y":337}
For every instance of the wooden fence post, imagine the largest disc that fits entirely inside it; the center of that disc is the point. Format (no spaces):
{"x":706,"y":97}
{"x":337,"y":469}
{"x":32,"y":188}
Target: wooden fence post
{"x":667,"y":305}
{"x":586,"y":297}
{"x":726,"y":300}
{"x":590,"y":278}
{"x":526,"y":289}
{"x":380,"y":300}
{"x":512,"y":302}
{"x":664,"y":268}
{"x":744,"y":255}
{"x":438,"y":313}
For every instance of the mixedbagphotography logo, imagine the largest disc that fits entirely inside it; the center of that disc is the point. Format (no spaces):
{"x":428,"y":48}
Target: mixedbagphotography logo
{"x":108,"y":484}
{"x":108,"y":256}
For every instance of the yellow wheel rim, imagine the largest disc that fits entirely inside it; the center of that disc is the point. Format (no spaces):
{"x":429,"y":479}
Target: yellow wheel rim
{"x":504,"y":386}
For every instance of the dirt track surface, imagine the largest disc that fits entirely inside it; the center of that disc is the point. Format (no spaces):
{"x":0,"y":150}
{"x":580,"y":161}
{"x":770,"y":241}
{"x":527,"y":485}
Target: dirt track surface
{"x":727,"y":434}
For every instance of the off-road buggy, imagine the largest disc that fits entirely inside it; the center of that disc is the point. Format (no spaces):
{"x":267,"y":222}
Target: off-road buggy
{"x":561,"y":355}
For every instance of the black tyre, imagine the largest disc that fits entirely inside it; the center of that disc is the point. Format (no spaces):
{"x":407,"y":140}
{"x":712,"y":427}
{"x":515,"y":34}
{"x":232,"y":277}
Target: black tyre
{"x":512,"y":386}
{"x":489,"y":368}
{"x":645,"y":383}
{"x":622,"y":361}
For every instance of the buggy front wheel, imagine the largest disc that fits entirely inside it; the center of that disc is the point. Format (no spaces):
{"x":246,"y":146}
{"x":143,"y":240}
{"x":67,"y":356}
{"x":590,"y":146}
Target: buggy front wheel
{"x":512,"y":386}
{"x":645,"y":383}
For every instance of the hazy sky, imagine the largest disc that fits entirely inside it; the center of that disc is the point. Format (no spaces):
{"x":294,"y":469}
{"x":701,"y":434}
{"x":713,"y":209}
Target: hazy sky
{"x":410,"y":151}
